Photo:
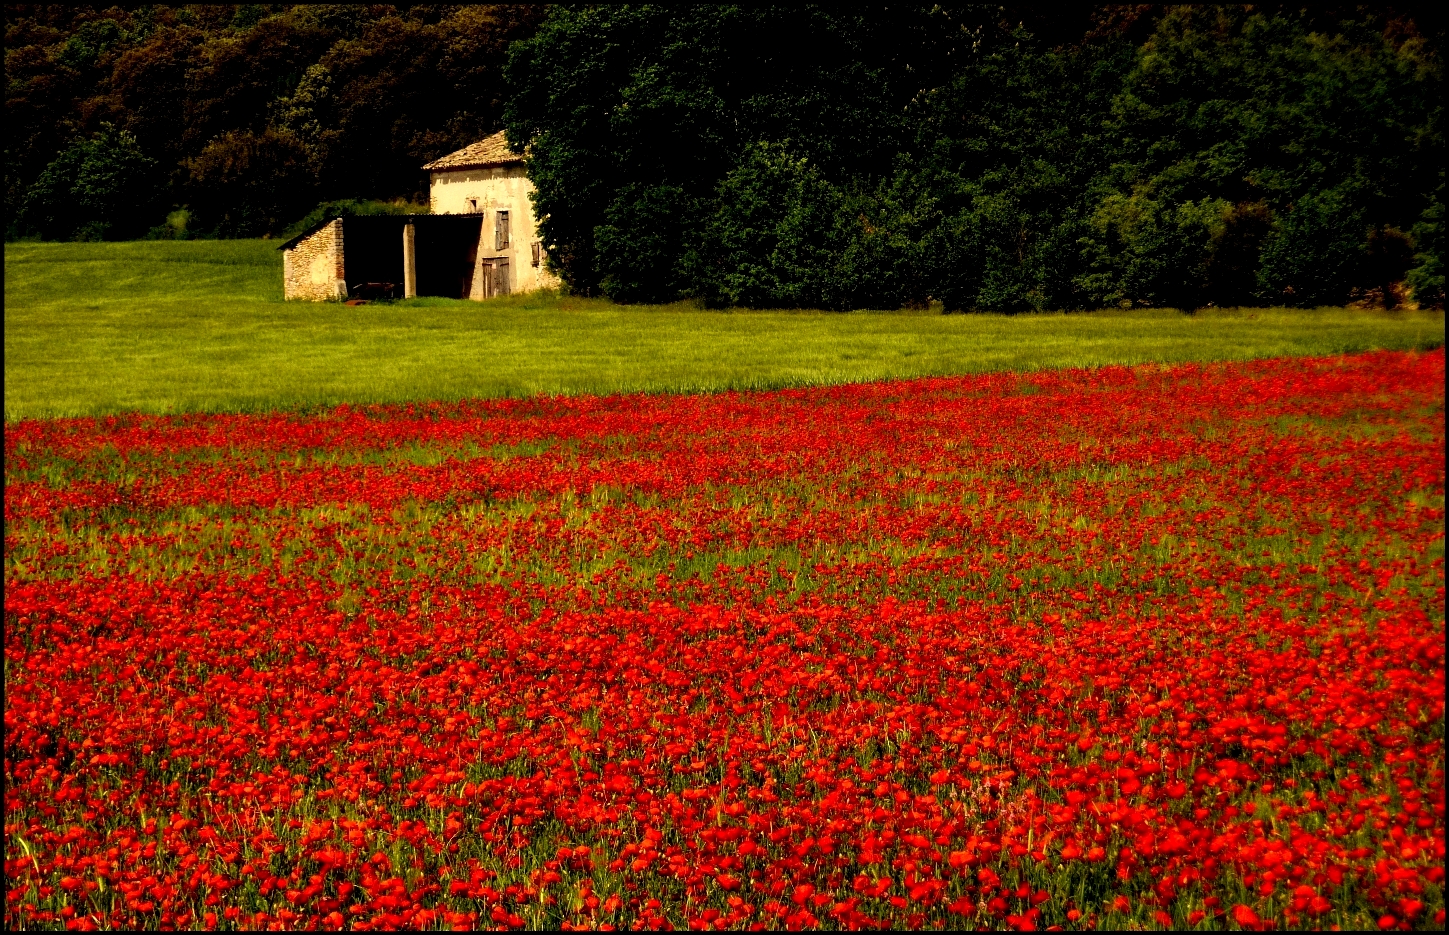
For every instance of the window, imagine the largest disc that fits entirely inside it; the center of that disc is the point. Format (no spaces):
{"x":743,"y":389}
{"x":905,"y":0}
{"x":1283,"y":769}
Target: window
{"x":473,"y":205}
{"x":500,"y":231}
{"x":537,"y":250}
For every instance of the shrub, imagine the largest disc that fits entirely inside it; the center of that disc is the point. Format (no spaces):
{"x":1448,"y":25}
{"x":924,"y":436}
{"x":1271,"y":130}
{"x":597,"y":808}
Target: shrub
{"x":1388,"y":254}
{"x":1235,"y":253}
{"x":352,"y":207}
{"x":1316,"y":256}
{"x":175,"y":228}
{"x":641,"y":242}
{"x":773,"y":239}
{"x":1148,"y":250}
{"x":103,"y":188}
{"x":1426,"y":278}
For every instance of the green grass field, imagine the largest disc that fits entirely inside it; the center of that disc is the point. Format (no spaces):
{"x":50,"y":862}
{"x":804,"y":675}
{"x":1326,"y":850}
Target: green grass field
{"x":95,"y":328}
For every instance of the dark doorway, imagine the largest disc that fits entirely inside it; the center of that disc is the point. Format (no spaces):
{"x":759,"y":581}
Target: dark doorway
{"x":447,"y":249}
{"x":372,"y":252}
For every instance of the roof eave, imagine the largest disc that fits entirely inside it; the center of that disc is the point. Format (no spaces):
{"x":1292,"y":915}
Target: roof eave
{"x":495,"y":163}
{"x":308,"y":232}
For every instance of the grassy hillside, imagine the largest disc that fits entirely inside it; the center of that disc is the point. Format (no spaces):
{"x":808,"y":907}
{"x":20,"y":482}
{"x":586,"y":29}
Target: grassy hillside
{"x":94,"y":328}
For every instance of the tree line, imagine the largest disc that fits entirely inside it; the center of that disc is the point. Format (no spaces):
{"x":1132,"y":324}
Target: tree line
{"x":243,"y":117}
{"x":984,"y":157}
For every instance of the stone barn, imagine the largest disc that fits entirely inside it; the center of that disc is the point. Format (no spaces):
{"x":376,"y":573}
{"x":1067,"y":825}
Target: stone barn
{"x":479,"y":241}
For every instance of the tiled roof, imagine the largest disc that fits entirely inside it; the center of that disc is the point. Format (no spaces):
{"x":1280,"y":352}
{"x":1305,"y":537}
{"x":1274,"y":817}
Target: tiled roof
{"x":493,"y":151}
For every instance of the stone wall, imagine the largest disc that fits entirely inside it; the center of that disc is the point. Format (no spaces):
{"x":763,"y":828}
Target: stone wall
{"x":312,"y":270}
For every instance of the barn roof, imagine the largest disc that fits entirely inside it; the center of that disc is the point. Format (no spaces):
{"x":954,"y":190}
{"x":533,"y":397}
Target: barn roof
{"x":492,"y":151}
{"x":363,"y":221}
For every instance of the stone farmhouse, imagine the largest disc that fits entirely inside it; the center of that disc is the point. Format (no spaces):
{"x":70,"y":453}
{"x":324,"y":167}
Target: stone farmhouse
{"x":481,"y":239}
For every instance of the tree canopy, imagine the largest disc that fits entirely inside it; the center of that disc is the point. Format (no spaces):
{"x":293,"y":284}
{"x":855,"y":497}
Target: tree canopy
{"x":865,"y":156}
{"x":985,"y":157}
{"x":251,"y":114}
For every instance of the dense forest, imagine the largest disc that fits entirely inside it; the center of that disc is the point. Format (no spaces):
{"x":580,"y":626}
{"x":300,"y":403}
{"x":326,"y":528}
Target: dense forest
{"x":985,"y":157}
{"x":246,"y":116}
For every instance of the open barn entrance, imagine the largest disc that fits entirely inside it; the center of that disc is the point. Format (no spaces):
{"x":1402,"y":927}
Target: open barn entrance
{"x":445,"y":248}
{"x":375,"y":257}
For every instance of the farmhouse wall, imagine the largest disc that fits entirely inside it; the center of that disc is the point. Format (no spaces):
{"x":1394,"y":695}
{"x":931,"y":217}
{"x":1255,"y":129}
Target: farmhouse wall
{"x":312,"y":269}
{"x":486,"y":190}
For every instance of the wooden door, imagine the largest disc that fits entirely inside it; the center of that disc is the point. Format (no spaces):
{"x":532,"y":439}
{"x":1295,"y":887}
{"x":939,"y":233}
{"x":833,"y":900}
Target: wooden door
{"x":495,"y":276}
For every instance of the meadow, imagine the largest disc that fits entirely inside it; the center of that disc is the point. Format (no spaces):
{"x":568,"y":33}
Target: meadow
{"x":1152,"y":647}
{"x":100,"y":328}
{"x":423,"y":615}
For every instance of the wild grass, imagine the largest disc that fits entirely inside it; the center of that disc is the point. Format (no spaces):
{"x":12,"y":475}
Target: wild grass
{"x":168,"y":326}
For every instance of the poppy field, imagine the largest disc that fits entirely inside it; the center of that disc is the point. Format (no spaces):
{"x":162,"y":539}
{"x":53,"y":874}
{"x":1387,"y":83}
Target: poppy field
{"x":1154,"y":647}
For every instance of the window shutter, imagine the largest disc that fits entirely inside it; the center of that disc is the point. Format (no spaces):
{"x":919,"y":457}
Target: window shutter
{"x":500,"y":231}
{"x":536,"y":250}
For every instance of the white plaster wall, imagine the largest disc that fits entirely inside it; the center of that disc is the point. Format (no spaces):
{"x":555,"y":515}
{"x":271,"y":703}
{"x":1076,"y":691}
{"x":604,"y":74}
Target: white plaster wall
{"x":496,"y":188}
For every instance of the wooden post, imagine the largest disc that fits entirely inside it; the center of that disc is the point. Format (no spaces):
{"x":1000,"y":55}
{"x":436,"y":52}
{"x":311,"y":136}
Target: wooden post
{"x":480,"y":268}
{"x":410,"y":261}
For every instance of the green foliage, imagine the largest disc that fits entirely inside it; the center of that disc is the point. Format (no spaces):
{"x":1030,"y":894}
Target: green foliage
{"x":1426,"y":278}
{"x":1302,"y":132}
{"x":773,"y":239}
{"x":177,"y":227}
{"x":102,"y":188}
{"x":637,"y":114}
{"x":639,"y":242}
{"x":394,"y":91}
{"x":1012,"y":150}
{"x":1316,"y":256}
{"x":837,"y":157}
{"x":353,"y":207}
{"x":93,"y":39}
{"x":1150,"y":251}
{"x":244,"y":184}
{"x":1185,"y":156}
{"x":252,"y":113}
{"x":1235,"y":252}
